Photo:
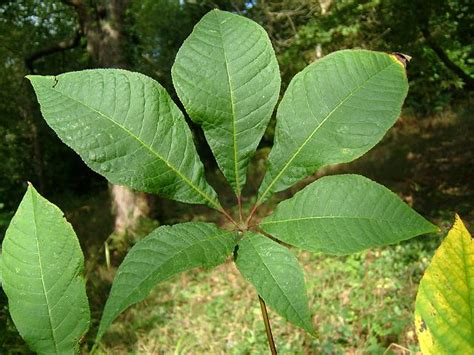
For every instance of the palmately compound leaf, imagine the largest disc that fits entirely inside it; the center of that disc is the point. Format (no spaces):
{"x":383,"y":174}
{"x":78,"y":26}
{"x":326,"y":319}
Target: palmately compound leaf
{"x":444,"y":310}
{"x":162,"y":254}
{"x":125,"y":126}
{"x":333,"y":111}
{"x":226,"y":74}
{"x":42,"y":264}
{"x":344,"y":214}
{"x":277,"y":277}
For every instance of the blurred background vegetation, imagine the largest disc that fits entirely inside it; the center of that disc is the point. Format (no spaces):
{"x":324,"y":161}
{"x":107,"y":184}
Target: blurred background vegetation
{"x":361,"y":303}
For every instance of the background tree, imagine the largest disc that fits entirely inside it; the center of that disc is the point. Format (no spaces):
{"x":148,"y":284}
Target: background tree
{"x":31,"y":151}
{"x":54,"y":36}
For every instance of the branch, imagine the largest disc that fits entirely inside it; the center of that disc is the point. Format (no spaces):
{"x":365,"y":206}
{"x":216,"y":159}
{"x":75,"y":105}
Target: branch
{"x":81,"y":10}
{"x":62,"y":46}
{"x":57,"y":47}
{"x":446,"y":60}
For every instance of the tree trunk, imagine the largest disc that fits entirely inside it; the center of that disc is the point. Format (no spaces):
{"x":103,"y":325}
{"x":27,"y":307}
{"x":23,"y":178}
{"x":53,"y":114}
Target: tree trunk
{"x":102,"y":23}
{"x":128,"y":207}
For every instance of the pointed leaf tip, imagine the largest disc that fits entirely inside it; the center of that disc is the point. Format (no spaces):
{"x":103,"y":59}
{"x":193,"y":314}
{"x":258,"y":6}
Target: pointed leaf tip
{"x":34,"y":77}
{"x":344,"y":214}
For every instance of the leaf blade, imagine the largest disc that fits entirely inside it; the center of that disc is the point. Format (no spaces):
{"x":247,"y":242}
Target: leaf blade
{"x":322,"y":121}
{"x":230,"y":56}
{"x":276,"y":274}
{"x":444,"y":308}
{"x":344,"y":214}
{"x":162,"y":254}
{"x":42,"y":264}
{"x":125,"y":127}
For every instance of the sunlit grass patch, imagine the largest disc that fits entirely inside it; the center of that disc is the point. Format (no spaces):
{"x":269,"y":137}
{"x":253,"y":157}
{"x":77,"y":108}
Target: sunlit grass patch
{"x":360,"y":303}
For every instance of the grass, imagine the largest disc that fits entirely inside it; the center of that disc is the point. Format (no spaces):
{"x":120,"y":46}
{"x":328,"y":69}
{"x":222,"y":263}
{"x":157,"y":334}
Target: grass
{"x":361,"y":303}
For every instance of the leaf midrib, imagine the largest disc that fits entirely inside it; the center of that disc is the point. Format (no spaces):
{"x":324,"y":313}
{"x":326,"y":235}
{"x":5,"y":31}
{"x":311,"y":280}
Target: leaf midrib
{"x":45,"y":291}
{"x":126,"y":130}
{"x":328,"y":217}
{"x":360,"y":86}
{"x":232,"y":105}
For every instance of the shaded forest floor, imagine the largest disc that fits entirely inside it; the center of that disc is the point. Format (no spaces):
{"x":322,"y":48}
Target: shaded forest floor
{"x":360,"y":303}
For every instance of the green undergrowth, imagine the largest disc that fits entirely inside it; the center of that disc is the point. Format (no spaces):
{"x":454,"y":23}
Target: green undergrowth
{"x":360,"y":303}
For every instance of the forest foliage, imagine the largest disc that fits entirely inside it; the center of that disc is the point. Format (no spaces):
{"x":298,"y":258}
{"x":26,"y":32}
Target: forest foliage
{"x":44,"y":37}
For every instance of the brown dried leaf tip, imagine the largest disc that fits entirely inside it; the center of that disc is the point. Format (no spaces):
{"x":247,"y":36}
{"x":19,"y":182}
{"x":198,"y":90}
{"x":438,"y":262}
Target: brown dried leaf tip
{"x":402,"y":58}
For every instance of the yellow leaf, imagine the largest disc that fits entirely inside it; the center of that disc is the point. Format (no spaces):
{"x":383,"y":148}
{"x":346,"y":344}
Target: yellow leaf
{"x":444,"y":311}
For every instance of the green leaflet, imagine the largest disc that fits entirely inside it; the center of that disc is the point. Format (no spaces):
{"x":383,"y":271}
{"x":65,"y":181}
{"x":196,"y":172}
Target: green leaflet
{"x":277,"y":276}
{"x":226,"y":74}
{"x":42,"y":264}
{"x":334,"y":111}
{"x":444,"y":310}
{"x":162,"y":254}
{"x":125,"y":126}
{"x":344,"y":214}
